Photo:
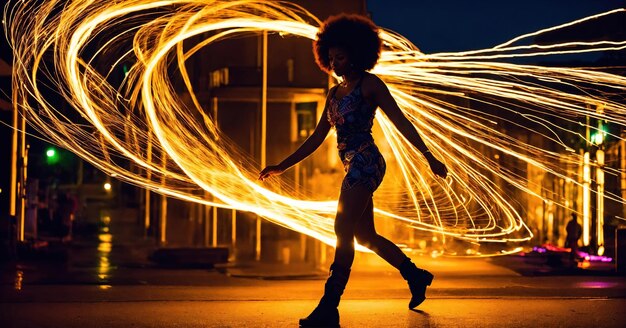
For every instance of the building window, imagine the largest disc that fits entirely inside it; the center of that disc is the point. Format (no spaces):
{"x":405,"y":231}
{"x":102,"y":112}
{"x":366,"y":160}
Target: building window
{"x":306,"y":118}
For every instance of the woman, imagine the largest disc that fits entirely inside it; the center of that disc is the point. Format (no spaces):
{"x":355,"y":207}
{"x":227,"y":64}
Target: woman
{"x":350,"y":45}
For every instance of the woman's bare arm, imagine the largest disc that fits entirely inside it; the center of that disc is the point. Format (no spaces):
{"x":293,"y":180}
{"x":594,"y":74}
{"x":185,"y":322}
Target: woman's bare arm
{"x":376,"y":91}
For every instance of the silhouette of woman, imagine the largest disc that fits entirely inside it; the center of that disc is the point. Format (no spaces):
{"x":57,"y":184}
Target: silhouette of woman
{"x":350,"y":45}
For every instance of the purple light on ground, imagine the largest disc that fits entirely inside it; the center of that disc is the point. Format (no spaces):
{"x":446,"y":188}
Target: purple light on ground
{"x":595,"y":258}
{"x":596,"y":284}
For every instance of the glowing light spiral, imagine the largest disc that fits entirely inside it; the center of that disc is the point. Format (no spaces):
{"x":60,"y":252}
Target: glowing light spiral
{"x":182,"y":153}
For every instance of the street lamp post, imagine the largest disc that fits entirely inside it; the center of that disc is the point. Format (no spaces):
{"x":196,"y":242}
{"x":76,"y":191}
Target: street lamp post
{"x":586,"y":199}
{"x":257,"y":248}
{"x":599,"y":141}
{"x":19,"y":165}
{"x":14,"y":155}
{"x":147,"y":192}
{"x":600,"y":201}
{"x":163,"y":204}
{"x":622,"y":161}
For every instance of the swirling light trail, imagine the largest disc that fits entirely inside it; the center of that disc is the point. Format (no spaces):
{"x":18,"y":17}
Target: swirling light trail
{"x":183,"y":154}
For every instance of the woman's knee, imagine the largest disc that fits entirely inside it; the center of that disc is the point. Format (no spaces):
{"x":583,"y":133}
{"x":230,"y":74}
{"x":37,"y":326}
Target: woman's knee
{"x":342,"y":231}
{"x":365,"y":238}
{"x":344,"y":227}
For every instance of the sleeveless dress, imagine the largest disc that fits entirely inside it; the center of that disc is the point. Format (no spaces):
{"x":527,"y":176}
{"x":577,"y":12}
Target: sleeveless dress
{"x":353,"y":118}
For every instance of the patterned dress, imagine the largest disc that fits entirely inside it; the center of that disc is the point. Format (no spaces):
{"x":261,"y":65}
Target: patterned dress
{"x":353,"y":118}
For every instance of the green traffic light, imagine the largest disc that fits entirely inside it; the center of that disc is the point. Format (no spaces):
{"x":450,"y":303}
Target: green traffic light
{"x":597,"y":138}
{"x":52,"y":156}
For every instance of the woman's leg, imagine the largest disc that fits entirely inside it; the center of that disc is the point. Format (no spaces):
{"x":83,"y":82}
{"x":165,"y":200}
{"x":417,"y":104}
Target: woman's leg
{"x":365,"y":233}
{"x":352,"y":203}
{"x":418,"y":279}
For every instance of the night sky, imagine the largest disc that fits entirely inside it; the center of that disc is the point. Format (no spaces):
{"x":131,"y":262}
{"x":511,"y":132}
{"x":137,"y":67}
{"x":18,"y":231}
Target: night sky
{"x":458,"y":25}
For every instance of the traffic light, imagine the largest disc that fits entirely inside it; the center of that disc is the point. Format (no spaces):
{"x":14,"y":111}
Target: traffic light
{"x":52,"y":156}
{"x":599,"y":135}
{"x":597,"y":138}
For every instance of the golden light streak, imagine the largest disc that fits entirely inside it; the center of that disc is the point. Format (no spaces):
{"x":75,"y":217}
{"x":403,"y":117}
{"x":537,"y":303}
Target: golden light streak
{"x":586,"y":200}
{"x":600,"y":201}
{"x":75,"y":45}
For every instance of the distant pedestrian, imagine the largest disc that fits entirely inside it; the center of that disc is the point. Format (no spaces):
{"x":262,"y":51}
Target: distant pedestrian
{"x":350,"y":45}
{"x":574,"y":231}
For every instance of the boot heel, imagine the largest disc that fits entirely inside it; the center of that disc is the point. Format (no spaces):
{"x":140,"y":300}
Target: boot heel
{"x":418,"y":279}
{"x":428,"y":279}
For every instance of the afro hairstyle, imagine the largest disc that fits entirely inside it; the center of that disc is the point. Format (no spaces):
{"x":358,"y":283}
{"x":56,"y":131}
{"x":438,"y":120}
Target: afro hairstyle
{"x":356,"y":34}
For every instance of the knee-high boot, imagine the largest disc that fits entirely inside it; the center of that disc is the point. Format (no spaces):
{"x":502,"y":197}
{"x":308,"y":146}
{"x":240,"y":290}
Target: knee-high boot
{"x":418,"y":279}
{"x":326,"y":313}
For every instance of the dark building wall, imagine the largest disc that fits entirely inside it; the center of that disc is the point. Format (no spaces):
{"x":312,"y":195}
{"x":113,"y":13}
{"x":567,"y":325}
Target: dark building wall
{"x":242,"y":54}
{"x":226,"y":77}
{"x":279,"y":132}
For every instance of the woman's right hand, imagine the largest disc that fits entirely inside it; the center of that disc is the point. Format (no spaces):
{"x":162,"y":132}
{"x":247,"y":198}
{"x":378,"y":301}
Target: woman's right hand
{"x":270,"y":170}
{"x":436,"y":165}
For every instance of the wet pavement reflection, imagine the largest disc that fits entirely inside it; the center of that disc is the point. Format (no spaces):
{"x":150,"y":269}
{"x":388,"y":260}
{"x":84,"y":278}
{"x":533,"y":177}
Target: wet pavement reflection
{"x":116,"y":253}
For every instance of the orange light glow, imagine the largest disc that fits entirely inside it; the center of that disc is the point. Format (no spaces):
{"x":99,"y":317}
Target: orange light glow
{"x":145,"y":116}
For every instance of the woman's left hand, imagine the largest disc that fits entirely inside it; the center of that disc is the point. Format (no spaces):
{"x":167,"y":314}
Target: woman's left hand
{"x":271,"y":170}
{"x":437,"y":166}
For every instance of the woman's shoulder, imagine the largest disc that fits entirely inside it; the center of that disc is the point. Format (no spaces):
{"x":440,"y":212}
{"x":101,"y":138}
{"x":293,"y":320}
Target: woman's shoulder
{"x":331,"y":92}
{"x":371,"y":82}
{"x":372,"y":79}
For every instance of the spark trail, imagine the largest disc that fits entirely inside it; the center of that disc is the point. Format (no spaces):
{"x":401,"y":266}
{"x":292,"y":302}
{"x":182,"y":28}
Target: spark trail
{"x":64,"y":45}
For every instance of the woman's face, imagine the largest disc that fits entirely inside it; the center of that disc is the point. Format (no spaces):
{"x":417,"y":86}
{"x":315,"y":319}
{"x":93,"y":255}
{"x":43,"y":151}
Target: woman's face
{"x":339,"y":62}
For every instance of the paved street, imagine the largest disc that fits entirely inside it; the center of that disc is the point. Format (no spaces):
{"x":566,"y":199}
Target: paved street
{"x":88,"y":285}
{"x":439,"y":312}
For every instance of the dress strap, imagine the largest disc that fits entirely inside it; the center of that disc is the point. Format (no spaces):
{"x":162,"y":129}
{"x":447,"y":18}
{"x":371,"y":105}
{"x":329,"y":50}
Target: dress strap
{"x":334,"y":91}
{"x":357,"y":87}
